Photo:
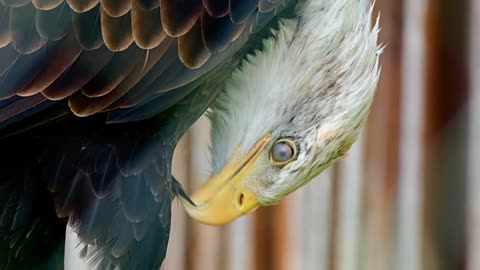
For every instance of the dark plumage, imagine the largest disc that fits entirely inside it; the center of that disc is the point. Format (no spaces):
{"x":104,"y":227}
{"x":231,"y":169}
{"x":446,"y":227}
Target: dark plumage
{"x":139,"y":76}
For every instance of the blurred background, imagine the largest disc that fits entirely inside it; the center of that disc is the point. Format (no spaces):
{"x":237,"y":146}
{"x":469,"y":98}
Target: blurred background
{"x":406,"y":197}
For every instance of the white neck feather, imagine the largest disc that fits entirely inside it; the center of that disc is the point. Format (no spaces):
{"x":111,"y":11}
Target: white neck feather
{"x":305,"y":57}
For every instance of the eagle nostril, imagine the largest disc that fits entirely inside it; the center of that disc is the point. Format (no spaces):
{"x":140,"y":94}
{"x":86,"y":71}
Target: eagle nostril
{"x":241,"y":199}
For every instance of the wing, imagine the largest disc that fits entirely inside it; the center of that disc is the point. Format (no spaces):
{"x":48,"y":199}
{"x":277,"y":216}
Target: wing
{"x":117,"y":62}
{"x":105,"y":55}
{"x":112,"y":183}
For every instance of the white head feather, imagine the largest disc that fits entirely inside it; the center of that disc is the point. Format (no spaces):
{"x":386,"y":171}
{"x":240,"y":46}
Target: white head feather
{"x":314,"y":82}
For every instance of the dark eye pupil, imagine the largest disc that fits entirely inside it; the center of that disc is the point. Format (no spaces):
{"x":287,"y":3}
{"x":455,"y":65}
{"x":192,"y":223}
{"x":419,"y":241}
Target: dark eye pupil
{"x":282,"y":152}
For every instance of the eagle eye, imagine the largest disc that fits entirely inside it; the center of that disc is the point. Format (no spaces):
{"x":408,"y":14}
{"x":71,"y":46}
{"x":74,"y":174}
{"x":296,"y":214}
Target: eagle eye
{"x":283,"y":152}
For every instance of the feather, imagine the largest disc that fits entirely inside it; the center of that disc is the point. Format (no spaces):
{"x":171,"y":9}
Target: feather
{"x":24,"y":35}
{"x":15,"y":3}
{"x":267,"y":6}
{"x":191,"y":50}
{"x":133,"y":153}
{"x":116,"y":8}
{"x":261,"y":19}
{"x":142,"y":89}
{"x":240,"y":10}
{"x":69,"y":195}
{"x":5,"y":36}
{"x":8,"y":55}
{"x":178,"y":75}
{"x":94,"y":218}
{"x":114,"y":72}
{"x":87,"y":28}
{"x":152,"y":105}
{"x":19,"y":106}
{"x":147,"y":5}
{"x":24,"y":206}
{"x":83,"y":70}
{"x":21,"y":73}
{"x":147,"y":27}
{"x":134,"y":196}
{"x":53,"y":24}
{"x":116,"y":31}
{"x":123,"y":239}
{"x":155,"y":172}
{"x":8,"y":210}
{"x":60,"y":55}
{"x":163,"y":77}
{"x":140,"y":229}
{"x":81,"y":6}
{"x":103,"y":172}
{"x":217,"y":33}
{"x":179,"y":16}
{"x":83,"y":106}
{"x":216,"y":8}
{"x":46,"y":4}
{"x":150,"y":252}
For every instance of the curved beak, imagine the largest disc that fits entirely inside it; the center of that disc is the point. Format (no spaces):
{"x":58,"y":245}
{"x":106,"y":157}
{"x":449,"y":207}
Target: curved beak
{"x":225,"y":197}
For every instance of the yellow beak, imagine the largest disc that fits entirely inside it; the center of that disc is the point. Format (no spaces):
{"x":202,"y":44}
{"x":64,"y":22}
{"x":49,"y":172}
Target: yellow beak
{"x":225,"y":197}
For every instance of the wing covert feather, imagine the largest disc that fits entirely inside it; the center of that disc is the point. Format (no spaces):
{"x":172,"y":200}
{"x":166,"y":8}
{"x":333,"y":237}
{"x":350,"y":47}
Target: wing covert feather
{"x":69,"y":32}
{"x":116,"y":8}
{"x":116,"y":31}
{"x":25,"y":37}
{"x":5,"y":36}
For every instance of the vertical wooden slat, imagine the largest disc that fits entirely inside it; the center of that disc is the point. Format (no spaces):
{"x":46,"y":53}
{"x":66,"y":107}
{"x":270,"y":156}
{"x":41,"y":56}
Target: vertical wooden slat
{"x":302,"y":228}
{"x":264,"y":247}
{"x":317,"y":213}
{"x":296,"y":216}
{"x":411,"y":157}
{"x":240,"y":240}
{"x":351,"y":189}
{"x":382,"y":136}
{"x":445,"y":135}
{"x":473,"y":199}
{"x":288,"y":232}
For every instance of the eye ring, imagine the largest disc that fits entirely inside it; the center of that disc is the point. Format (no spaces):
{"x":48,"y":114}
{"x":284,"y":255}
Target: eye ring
{"x":283,"y":151}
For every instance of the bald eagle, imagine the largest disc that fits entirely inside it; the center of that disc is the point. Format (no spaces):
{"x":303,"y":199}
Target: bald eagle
{"x":95,"y":94}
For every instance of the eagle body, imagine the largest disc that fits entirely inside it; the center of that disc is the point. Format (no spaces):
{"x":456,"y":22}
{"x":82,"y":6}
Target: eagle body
{"x":94,"y":96}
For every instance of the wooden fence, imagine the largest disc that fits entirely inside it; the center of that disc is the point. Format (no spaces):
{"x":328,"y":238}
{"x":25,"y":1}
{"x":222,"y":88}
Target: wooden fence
{"x":407,"y":197}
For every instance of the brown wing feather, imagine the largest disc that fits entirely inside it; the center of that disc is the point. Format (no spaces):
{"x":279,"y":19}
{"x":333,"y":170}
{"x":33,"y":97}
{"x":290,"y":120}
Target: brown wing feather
{"x":179,"y":16}
{"x":83,"y":70}
{"x":147,"y":5}
{"x":116,"y":31}
{"x":84,"y":106}
{"x":114,"y":72}
{"x":53,"y":24}
{"x":87,"y":52}
{"x":60,"y":59}
{"x":191,"y":50}
{"x":88,"y":29}
{"x":25,"y":37}
{"x":147,"y":27}
{"x":216,"y":8}
{"x":81,"y":6}
{"x":28,"y":66}
{"x":116,"y":8}
{"x":46,"y":4}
